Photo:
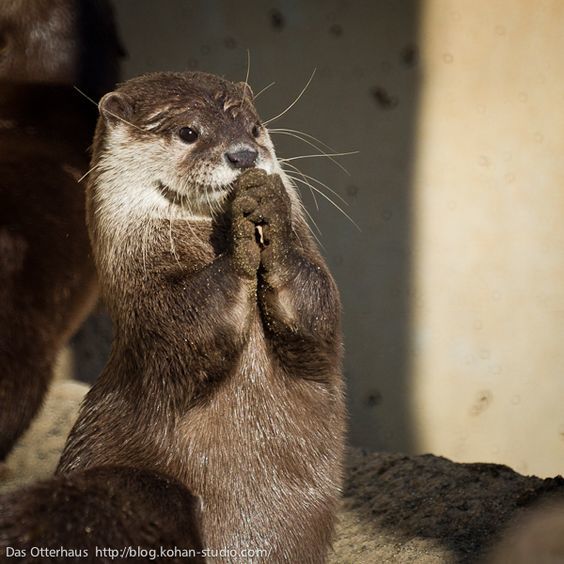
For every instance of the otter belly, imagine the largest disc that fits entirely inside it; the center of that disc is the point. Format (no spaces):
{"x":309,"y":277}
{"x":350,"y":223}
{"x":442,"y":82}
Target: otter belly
{"x":261,"y":453}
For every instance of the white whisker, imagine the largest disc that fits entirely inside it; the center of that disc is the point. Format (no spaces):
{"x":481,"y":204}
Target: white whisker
{"x":328,"y":155}
{"x":263,"y":90}
{"x":290,"y":175}
{"x":247,"y":76}
{"x":302,"y":133}
{"x":294,"y":102}
{"x":88,"y":172}
{"x":112,"y":114}
{"x":321,"y":193}
{"x":315,"y":225}
{"x":309,"y":177}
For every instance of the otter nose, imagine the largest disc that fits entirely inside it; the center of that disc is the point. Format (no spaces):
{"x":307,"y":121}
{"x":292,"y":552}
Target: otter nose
{"x":242,"y":158}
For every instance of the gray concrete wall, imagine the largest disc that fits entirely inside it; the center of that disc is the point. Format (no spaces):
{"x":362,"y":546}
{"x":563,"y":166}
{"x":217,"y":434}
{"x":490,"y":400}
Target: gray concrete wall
{"x":453,"y":289}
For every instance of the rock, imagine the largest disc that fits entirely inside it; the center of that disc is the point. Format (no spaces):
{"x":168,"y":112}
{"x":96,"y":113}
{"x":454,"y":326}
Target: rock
{"x":427,"y":509}
{"x":37,"y":454}
{"x":396,"y":508}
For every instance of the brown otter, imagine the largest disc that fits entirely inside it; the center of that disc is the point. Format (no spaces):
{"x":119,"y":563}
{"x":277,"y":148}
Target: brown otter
{"x":47,"y":278}
{"x":72,"y":42}
{"x":225,"y":369}
{"x":101,"y":515}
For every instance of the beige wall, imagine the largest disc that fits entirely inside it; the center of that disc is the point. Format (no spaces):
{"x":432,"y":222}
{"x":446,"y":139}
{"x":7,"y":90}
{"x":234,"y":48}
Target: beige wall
{"x":488,"y":366}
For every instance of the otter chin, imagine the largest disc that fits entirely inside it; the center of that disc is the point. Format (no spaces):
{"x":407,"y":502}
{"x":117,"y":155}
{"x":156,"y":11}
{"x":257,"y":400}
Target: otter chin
{"x":225,"y":372}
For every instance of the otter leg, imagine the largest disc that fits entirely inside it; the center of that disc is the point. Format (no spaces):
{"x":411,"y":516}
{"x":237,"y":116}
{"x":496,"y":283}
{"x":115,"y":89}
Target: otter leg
{"x":101,"y":515}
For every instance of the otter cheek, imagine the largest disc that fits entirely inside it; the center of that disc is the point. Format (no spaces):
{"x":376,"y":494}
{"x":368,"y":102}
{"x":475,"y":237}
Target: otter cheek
{"x":266,"y":164}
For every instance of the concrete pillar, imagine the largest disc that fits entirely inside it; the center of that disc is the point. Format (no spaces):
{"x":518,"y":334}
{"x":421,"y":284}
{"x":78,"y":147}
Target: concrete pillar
{"x":488,"y":213}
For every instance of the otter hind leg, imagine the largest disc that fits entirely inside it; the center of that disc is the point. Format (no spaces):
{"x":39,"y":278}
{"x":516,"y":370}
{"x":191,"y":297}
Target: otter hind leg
{"x":112,"y":508}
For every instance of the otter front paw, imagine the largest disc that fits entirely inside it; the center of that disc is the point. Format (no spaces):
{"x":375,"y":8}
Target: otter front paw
{"x":268,"y":208}
{"x":246,"y":251}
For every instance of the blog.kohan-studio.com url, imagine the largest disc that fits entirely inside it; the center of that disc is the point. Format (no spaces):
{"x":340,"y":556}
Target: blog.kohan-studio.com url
{"x":135,"y":552}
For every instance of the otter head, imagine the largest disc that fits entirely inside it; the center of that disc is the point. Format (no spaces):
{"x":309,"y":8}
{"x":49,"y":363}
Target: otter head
{"x":178,"y":139}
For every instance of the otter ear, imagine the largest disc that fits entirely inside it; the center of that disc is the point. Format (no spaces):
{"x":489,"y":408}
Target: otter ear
{"x":116,"y":107}
{"x":247,"y":90}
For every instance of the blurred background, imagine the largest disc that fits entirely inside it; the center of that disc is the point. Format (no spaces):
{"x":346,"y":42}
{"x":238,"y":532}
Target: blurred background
{"x":453,"y":289}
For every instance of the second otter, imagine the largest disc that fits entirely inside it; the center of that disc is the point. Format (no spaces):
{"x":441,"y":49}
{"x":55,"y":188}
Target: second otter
{"x":225,"y":371}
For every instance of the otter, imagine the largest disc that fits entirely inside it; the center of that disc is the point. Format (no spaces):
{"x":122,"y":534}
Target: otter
{"x":47,"y":276}
{"x":225,"y":371}
{"x":104,"y":514}
{"x":71,"y":42}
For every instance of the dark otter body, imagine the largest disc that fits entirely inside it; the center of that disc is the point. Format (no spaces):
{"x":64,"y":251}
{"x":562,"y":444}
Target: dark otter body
{"x":47,"y":278}
{"x":100,"y":515}
{"x":225,"y":370}
{"x":72,"y":42}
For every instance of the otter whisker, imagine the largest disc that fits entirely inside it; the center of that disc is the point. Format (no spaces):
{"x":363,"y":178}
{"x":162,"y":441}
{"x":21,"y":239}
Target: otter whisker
{"x":288,"y":173}
{"x":312,"y":178}
{"x":210,"y":205}
{"x":318,"y":240}
{"x":88,"y":172}
{"x":294,"y":102}
{"x":186,"y":202}
{"x":321,"y":193}
{"x":263,"y":90}
{"x":305,"y":210}
{"x":171,"y":206}
{"x":247,"y":76}
{"x":112,"y":114}
{"x":328,"y":155}
{"x":311,"y":230}
{"x":302,"y":133}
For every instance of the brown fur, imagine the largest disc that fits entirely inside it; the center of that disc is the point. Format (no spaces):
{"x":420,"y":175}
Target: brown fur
{"x":104,"y":508}
{"x":71,"y":42}
{"x":47,"y":278}
{"x":225,"y":370}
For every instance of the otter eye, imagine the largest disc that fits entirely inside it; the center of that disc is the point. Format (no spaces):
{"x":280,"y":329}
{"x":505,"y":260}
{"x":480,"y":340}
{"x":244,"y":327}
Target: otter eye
{"x":187,"y":134}
{"x":256,"y":130}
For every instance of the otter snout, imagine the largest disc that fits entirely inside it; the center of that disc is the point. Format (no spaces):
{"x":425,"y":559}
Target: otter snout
{"x":242,"y":157}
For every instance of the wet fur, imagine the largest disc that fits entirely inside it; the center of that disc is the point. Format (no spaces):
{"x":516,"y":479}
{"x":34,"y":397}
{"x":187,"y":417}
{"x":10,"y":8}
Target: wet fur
{"x":225,"y":371}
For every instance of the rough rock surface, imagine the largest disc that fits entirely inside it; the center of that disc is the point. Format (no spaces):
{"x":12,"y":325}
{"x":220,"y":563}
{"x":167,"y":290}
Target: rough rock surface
{"x":396,"y":508}
{"x":36,"y":455}
{"x":427,"y":509}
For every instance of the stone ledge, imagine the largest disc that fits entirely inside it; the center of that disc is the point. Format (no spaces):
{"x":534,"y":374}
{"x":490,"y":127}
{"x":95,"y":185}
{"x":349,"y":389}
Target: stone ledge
{"x":427,"y":509}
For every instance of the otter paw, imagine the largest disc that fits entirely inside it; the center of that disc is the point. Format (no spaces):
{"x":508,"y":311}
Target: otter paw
{"x":245,"y":251}
{"x":272,"y":219}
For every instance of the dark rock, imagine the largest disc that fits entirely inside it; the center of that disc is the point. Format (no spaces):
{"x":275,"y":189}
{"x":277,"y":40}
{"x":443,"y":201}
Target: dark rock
{"x":426,"y":508}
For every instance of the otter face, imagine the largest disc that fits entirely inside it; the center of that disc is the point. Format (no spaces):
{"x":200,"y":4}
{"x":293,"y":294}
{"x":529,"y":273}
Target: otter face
{"x":182,"y":139}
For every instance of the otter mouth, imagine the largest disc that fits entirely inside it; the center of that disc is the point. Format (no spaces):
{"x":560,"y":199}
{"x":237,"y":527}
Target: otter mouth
{"x":204,"y":199}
